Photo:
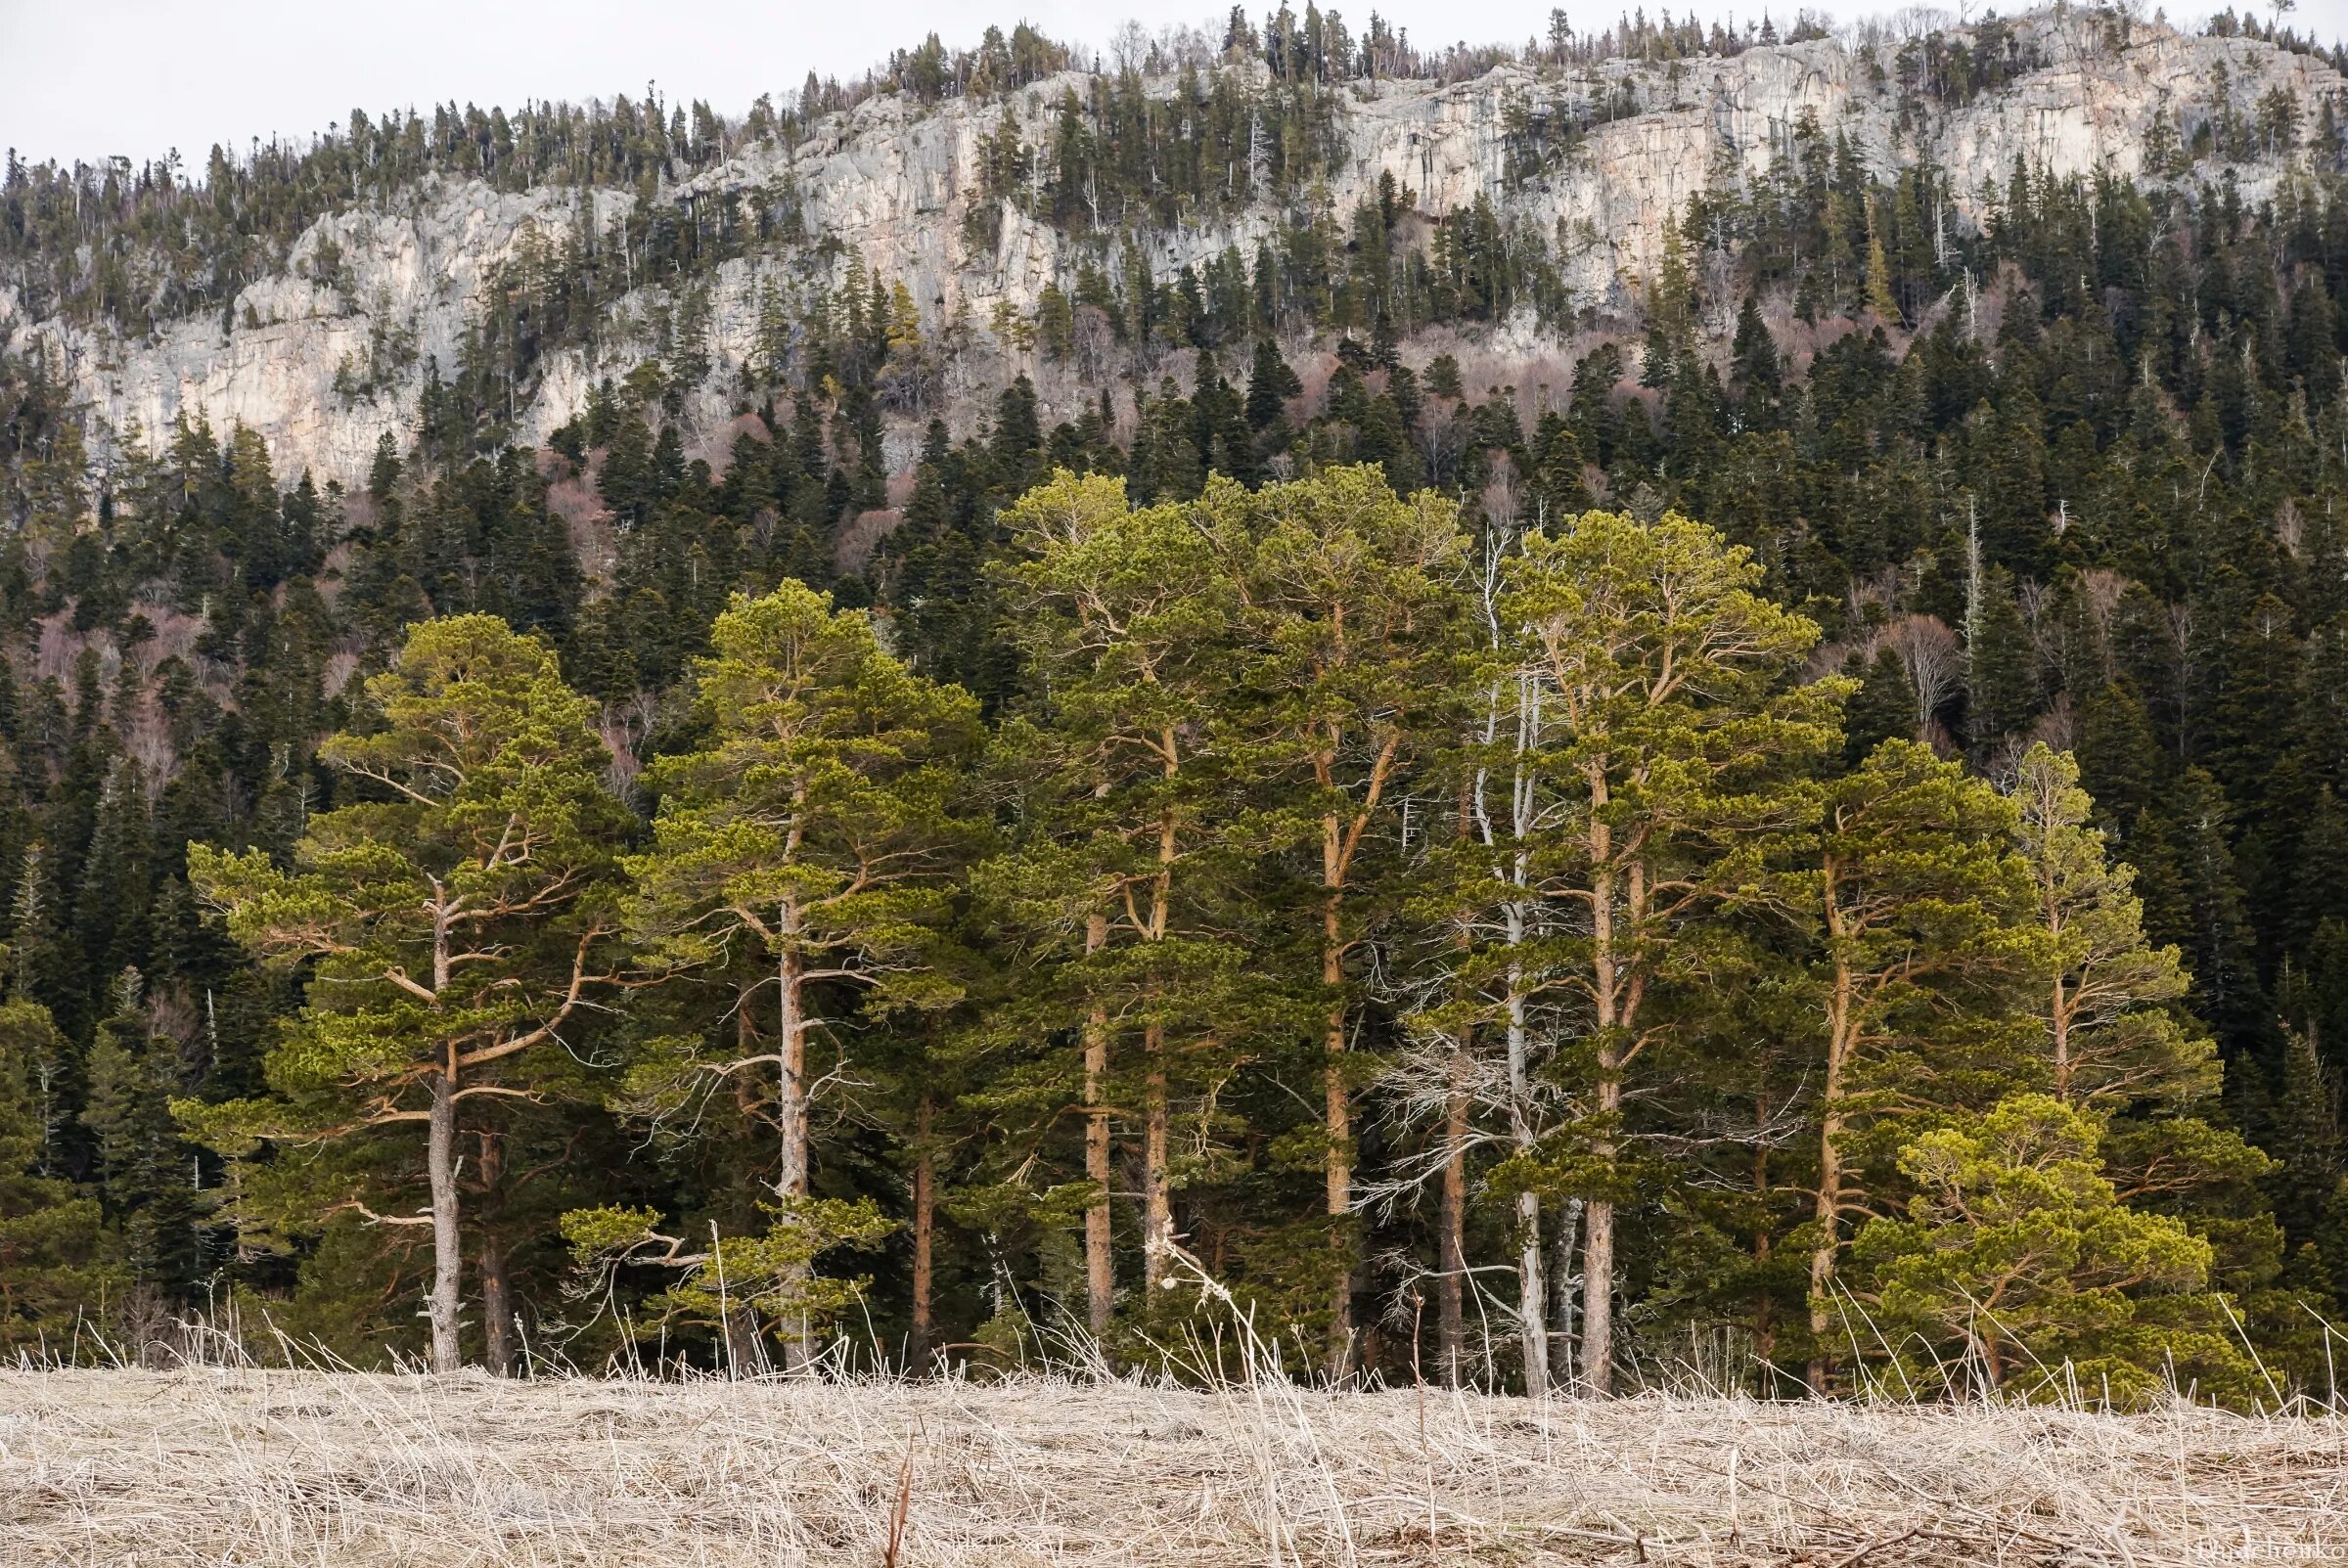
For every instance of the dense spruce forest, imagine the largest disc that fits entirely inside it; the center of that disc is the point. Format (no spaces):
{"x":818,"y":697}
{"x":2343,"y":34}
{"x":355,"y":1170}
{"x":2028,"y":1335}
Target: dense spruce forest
{"x":1811,"y":855}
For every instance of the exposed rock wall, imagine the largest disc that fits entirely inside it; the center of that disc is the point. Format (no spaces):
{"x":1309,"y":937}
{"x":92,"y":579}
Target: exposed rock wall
{"x":891,"y":181}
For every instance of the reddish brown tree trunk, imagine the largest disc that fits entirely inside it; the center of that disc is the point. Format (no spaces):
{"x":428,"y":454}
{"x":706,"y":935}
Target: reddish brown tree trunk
{"x":497,"y":1304}
{"x":924,"y":1236}
{"x":1337,"y":1108}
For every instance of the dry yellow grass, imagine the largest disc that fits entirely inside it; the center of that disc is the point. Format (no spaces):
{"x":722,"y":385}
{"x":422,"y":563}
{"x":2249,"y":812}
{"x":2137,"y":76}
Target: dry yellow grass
{"x":249,"y":1468}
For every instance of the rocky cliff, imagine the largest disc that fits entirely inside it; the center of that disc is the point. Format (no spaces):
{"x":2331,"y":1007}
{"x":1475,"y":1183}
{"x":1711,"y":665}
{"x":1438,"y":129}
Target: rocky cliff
{"x":892,"y":180}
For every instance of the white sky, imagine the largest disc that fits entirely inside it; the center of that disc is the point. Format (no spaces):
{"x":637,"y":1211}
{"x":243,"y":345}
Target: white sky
{"x":85,"y":78}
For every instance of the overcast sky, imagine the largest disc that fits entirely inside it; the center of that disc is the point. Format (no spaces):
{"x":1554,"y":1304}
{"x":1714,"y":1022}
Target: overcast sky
{"x":85,"y":78}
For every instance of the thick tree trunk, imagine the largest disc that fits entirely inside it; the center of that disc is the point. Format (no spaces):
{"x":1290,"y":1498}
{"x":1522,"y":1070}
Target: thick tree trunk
{"x":924,"y":1236}
{"x":1597,"y":1249}
{"x":1598,"y":1297}
{"x":1532,"y":1295}
{"x":1158,"y":1202}
{"x":443,"y":1305}
{"x":745,"y":1354}
{"x":497,"y":1308}
{"x":1821,"y":1259}
{"x":791,"y":1111}
{"x":1826,"y":1215}
{"x":1532,"y":1302}
{"x":1099,"y":1268}
{"x":1338,"y":1106}
{"x":791,"y":1099}
{"x":1565,"y":1321}
{"x":1451,"y":1226}
{"x":497,"y":1302}
{"x":1340,"y":837}
{"x":1608,"y":995}
{"x":1765,"y":1328}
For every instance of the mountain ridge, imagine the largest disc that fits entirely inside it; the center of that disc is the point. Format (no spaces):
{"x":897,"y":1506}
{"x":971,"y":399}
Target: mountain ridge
{"x":888,"y":188}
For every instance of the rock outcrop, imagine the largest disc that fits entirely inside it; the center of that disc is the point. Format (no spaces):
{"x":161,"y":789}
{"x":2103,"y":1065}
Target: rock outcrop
{"x":891,"y":181}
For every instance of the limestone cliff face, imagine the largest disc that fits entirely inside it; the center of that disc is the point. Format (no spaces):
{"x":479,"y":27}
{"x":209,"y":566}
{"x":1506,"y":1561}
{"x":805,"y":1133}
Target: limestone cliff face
{"x":891,"y":181}
{"x":400,"y":292}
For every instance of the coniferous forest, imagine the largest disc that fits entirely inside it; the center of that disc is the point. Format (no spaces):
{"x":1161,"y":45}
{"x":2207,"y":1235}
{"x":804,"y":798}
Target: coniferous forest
{"x":1813,"y":853}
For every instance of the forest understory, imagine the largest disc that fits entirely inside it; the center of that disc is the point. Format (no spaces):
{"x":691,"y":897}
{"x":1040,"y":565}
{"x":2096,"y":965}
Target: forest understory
{"x":249,"y":1467}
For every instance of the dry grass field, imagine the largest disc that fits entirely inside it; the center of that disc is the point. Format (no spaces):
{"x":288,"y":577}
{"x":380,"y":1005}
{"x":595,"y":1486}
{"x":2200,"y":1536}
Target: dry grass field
{"x":162,"y":1469}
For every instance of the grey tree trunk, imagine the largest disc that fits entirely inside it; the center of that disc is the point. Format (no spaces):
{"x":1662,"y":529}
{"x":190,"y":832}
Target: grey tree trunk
{"x":1158,"y":1200}
{"x":1533,"y":1298}
{"x":443,"y":1305}
{"x":1564,"y":1285}
{"x":1450,"y":1247}
{"x":790,"y":1105}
